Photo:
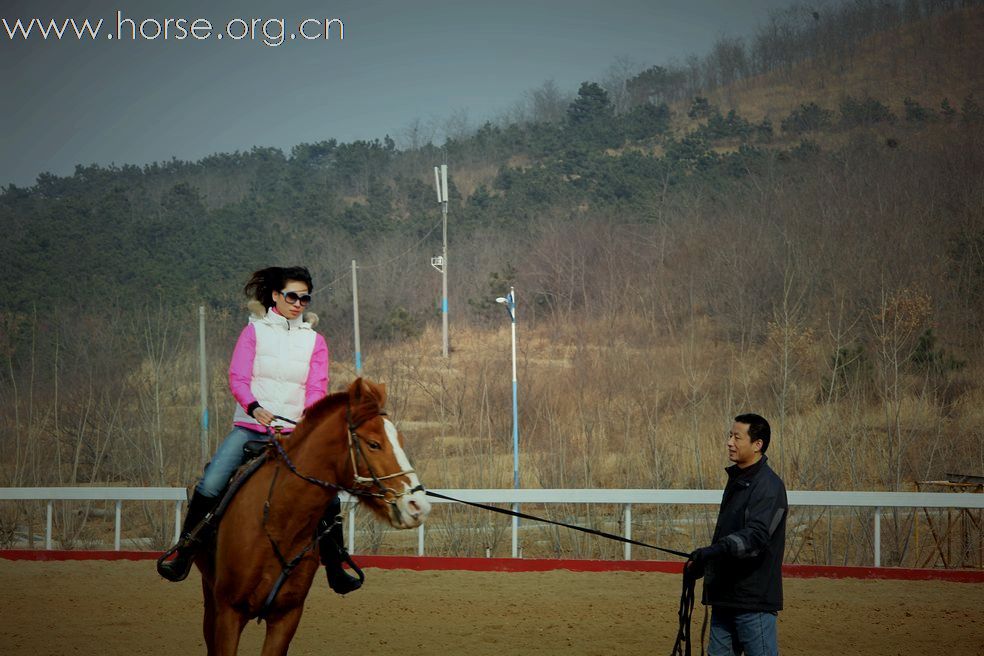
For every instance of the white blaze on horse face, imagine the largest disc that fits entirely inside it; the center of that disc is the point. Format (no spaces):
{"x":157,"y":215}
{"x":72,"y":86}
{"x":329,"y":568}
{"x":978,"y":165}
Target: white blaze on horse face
{"x":401,"y":456}
{"x":415,"y":504}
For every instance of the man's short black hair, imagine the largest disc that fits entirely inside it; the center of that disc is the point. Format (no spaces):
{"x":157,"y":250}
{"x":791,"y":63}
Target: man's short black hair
{"x":758,"y":428}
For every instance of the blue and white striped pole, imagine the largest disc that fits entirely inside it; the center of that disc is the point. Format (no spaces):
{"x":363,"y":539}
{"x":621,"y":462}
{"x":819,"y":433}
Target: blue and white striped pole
{"x":355,"y":320}
{"x":203,"y":385}
{"x":510,"y":303}
{"x":512,"y":315}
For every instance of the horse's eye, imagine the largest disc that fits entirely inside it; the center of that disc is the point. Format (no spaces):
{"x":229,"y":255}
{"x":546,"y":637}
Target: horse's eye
{"x":374,"y":445}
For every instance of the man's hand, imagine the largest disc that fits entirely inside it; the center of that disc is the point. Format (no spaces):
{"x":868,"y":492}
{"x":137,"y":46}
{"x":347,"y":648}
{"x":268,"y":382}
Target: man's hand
{"x":698,"y":559}
{"x":693,"y":568}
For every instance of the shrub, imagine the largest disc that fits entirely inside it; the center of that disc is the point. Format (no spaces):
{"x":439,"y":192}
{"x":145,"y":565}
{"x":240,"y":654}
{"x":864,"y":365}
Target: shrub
{"x":399,"y":324}
{"x":864,"y":111}
{"x":947,"y":110}
{"x":926,"y":354}
{"x":807,"y":149}
{"x":971,"y":111}
{"x":647,"y":121}
{"x":916,"y":113}
{"x":723,"y":127}
{"x":807,"y":118}
{"x":701,"y":108}
{"x":764,"y":131}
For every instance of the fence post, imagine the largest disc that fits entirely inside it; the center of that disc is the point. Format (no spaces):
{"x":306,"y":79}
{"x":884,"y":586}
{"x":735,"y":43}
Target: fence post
{"x":351,"y":529}
{"x":420,"y":540}
{"x":878,"y":536}
{"x":47,"y":529}
{"x":515,"y":532}
{"x":628,"y":531}
{"x":177,"y":521}
{"x":118,"y":523}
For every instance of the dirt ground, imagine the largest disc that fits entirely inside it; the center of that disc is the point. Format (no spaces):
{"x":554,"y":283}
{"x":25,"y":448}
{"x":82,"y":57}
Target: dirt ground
{"x":116,"y":608}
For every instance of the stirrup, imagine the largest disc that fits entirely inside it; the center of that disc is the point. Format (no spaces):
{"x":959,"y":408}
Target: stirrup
{"x":338,"y":579}
{"x":178,"y":568}
{"x":342,"y":582}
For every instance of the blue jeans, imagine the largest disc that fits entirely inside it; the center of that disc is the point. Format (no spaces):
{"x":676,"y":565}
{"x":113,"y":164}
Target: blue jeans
{"x":738,"y":632}
{"x":226,"y":460}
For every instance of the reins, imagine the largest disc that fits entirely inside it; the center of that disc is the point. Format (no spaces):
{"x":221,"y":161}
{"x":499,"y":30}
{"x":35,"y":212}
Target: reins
{"x":513,"y":513}
{"x":682,"y":645}
{"x":387,"y":494}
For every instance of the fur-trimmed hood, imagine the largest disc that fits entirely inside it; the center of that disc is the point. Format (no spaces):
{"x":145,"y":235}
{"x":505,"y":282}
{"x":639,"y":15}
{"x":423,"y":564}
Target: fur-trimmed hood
{"x":258,"y":311}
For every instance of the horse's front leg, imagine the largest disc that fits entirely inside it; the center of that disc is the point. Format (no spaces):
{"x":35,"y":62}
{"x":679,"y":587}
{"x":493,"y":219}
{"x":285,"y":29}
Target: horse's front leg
{"x":228,"y":626}
{"x":208,"y":621}
{"x":280,"y":631}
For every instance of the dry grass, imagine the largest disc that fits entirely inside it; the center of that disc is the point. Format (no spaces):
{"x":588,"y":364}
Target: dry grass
{"x":606,"y":409}
{"x":926,"y":61}
{"x":614,"y":414}
{"x":468,"y":179}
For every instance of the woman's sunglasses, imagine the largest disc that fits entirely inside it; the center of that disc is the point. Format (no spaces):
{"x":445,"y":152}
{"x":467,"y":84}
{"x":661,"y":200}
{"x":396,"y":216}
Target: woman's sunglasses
{"x":294,"y":298}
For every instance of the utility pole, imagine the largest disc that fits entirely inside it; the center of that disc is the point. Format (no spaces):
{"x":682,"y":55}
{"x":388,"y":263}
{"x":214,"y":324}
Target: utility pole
{"x":441,"y":263}
{"x":355,"y":320}
{"x":203,"y":384}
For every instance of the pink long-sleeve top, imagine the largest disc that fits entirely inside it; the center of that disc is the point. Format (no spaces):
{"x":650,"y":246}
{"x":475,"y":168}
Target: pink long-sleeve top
{"x":278,"y":375}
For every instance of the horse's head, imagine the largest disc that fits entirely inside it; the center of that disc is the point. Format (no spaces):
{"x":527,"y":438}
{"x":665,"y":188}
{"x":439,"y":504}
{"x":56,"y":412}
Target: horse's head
{"x":381,"y":467}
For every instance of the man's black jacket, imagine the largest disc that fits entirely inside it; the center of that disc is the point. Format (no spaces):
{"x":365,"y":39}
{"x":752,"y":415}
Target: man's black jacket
{"x":752,"y":526}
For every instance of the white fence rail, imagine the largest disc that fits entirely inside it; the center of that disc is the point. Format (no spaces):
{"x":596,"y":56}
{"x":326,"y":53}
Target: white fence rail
{"x":118,"y":494}
{"x":516,"y":498}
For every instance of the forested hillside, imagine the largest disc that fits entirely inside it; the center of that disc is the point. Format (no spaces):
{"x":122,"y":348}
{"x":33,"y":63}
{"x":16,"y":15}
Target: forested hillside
{"x":785,"y":224}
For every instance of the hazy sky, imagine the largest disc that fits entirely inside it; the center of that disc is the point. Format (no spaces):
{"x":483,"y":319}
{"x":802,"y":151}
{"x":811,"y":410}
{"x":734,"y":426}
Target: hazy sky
{"x":67,"y":102}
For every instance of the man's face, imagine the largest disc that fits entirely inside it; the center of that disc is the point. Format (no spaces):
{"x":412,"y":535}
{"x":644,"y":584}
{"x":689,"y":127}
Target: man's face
{"x":741,"y":449}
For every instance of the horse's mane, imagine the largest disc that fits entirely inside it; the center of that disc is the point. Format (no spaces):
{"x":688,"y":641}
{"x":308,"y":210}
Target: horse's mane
{"x":318,"y":412}
{"x":324,"y":407}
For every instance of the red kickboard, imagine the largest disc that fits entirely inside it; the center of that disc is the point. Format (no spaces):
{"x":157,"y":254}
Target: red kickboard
{"x":435,"y":563}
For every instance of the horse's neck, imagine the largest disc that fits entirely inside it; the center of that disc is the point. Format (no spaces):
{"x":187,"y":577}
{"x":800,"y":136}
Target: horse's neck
{"x":319,"y":452}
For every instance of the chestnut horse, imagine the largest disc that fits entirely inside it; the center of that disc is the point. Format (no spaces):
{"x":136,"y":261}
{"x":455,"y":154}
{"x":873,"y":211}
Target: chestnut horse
{"x":344,"y":442}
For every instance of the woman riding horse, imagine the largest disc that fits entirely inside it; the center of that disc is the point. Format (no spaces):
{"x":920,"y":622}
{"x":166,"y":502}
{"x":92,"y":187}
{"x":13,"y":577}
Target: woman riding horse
{"x":264,"y":559}
{"x":279,"y":368}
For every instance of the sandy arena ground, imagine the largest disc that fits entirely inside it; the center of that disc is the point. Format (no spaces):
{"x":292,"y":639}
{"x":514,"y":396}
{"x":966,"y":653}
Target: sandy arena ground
{"x":123,"y":608}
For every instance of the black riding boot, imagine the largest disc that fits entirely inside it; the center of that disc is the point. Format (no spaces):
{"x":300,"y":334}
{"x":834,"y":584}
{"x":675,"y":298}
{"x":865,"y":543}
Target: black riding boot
{"x":333,"y":553}
{"x":178,"y":567}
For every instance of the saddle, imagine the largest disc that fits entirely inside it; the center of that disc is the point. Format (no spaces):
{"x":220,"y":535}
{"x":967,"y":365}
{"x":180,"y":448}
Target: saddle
{"x":257,"y":453}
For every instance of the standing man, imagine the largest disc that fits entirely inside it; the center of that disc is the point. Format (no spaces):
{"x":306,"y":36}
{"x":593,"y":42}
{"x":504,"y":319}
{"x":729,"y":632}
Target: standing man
{"x":742,"y":568}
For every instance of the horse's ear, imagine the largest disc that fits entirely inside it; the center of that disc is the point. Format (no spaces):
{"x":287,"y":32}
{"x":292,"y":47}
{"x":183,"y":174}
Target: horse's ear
{"x":374,"y":391}
{"x":362,"y":389}
{"x":355,"y":392}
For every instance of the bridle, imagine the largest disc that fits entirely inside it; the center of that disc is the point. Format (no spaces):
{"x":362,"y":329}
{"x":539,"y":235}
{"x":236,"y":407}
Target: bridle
{"x":387,"y":494}
{"x":363,"y":488}
{"x":363,"y":484}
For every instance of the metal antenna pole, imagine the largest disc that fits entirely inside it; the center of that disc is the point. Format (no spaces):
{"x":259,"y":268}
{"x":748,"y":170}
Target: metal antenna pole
{"x":444,"y":285}
{"x":444,"y":269}
{"x":203,"y":384}
{"x":441,"y":263}
{"x":355,"y":320}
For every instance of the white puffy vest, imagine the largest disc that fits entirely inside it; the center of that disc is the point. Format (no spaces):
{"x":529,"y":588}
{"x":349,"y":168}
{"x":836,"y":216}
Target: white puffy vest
{"x":280,"y":366}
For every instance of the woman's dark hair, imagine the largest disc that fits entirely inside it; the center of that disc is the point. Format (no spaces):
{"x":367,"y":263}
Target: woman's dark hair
{"x":264,"y":282}
{"x":758,"y":429}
